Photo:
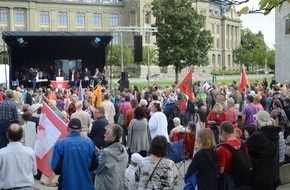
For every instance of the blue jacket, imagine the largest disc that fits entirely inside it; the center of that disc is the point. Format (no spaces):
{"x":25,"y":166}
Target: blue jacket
{"x":73,"y":158}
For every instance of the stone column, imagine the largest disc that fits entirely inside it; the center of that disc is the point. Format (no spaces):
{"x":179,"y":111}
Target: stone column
{"x":11,"y":18}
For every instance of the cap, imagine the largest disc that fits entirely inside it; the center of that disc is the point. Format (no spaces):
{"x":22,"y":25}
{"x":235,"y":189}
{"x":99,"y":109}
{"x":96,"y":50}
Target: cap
{"x":75,"y":123}
{"x":136,"y":157}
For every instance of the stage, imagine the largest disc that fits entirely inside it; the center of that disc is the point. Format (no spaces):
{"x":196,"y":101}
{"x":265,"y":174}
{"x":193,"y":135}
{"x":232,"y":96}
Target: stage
{"x":44,"y":49}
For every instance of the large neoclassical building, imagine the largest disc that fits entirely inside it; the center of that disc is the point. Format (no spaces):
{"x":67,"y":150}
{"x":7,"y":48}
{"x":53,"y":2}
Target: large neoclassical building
{"x":105,"y":15}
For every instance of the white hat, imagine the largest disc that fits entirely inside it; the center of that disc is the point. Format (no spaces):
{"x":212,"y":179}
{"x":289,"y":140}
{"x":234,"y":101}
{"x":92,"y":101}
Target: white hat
{"x":263,"y":118}
{"x":136,"y":157}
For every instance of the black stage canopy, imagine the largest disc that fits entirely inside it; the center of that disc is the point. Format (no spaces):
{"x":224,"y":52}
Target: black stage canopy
{"x":42,"y":49}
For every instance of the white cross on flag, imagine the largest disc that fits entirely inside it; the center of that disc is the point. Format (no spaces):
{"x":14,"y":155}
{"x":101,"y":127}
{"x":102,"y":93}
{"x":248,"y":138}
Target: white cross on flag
{"x":50,"y":129}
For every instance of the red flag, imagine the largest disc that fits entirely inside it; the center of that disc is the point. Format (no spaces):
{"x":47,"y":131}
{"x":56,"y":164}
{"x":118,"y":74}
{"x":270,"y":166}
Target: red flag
{"x":186,"y":84}
{"x":243,"y":81}
{"x":50,"y":130}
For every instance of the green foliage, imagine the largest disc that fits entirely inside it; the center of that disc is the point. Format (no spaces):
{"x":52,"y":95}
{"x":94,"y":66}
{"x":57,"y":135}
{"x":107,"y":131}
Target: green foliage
{"x":271,"y":59}
{"x":128,"y":55}
{"x":114,"y":56}
{"x":265,"y":7}
{"x":152,"y":54}
{"x":253,"y":49}
{"x":181,"y":40}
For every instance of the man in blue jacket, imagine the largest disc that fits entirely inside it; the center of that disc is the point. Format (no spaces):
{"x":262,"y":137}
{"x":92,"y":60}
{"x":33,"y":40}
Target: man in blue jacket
{"x":73,"y":158}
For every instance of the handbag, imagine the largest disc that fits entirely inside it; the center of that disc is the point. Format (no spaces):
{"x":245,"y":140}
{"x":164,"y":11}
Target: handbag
{"x":191,"y":183}
{"x":121,"y":118}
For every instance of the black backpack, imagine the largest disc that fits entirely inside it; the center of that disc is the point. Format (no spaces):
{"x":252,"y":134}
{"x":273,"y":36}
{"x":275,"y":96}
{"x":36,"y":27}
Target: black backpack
{"x":174,"y":112}
{"x":242,"y":167}
{"x":191,"y":107}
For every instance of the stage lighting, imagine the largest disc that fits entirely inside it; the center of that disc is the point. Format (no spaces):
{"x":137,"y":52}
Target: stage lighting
{"x":20,"y":40}
{"x":97,"y":40}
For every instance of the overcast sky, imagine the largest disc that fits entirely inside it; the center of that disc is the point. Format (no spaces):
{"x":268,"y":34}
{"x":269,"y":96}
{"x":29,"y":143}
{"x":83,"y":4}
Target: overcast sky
{"x":259,"y":22}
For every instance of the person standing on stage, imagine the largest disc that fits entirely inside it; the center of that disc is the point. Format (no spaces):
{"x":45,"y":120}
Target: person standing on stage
{"x":87,"y":76}
{"x":97,"y":76}
{"x":8,"y":115}
{"x":59,"y":73}
{"x":18,"y":162}
{"x":105,"y":75}
{"x":51,"y":74}
{"x":32,"y":77}
{"x":72,"y":77}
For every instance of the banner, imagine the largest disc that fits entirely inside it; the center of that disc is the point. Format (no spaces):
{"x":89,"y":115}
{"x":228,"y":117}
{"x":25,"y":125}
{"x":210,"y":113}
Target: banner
{"x":50,"y":130}
{"x":186,"y":84}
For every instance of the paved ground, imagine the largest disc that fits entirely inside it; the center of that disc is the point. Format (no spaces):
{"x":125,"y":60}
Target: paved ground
{"x":38,"y":185}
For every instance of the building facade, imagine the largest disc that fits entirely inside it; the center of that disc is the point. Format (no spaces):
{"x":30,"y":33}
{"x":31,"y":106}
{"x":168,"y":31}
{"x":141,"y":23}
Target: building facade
{"x":282,"y":41}
{"x":105,"y":15}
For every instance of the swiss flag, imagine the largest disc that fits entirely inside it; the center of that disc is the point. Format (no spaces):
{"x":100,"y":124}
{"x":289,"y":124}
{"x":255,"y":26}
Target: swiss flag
{"x":186,"y":84}
{"x":243,"y":81}
{"x":50,"y":130}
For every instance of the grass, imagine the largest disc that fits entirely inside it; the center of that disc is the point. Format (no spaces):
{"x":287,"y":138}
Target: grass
{"x":143,"y":84}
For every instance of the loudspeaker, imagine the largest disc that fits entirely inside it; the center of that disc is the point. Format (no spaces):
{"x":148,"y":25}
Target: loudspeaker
{"x":123,"y":84}
{"x":124,"y":75}
{"x":138,"y":49}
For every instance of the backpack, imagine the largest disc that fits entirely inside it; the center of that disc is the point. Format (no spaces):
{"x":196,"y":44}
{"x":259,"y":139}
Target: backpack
{"x":283,"y":119}
{"x":174,"y":111}
{"x":191,"y":107}
{"x":242,"y":167}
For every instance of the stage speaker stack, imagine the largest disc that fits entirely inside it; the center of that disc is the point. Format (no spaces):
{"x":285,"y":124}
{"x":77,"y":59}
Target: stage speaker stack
{"x":138,"y":49}
{"x":124,"y":82}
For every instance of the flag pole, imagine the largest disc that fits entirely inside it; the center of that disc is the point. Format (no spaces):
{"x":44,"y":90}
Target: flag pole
{"x":96,"y":86}
{"x":47,"y":101}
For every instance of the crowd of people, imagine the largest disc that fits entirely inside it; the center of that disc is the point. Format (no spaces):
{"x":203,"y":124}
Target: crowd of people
{"x":123,"y":143}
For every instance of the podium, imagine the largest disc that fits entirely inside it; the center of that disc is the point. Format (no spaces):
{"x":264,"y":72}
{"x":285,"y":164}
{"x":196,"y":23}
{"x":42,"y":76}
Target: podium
{"x":59,"y":84}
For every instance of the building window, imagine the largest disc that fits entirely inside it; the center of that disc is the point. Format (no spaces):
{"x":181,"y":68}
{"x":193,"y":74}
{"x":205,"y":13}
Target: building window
{"x":19,"y":16}
{"x":217,"y":29}
{"x":212,"y":28}
{"x":147,"y":37}
{"x":217,"y":43}
{"x":97,"y":19}
{"x":219,"y":59}
{"x":132,"y":18}
{"x":114,"y":20}
{"x":62,"y":18}
{"x":213,"y":60}
{"x":115,"y":38}
{"x":80,"y":19}
{"x":44,"y":17}
{"x":148,"y":18}
{"x":3,"y":15}
{"x":229,"y":60}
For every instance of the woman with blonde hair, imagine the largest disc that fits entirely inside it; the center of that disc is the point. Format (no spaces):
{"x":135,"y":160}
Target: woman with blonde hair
{"x":215,"y":117}
{"x":205,"y":163}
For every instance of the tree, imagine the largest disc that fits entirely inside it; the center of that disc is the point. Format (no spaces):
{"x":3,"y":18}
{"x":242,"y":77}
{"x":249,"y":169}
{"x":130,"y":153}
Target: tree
{"x":265,"y":6}
{"x":115,"y":58}
{"x":271,"y":59}
{"x":183,"y":43}
{"x":253,"y":49}
{"x":152,"y":54}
